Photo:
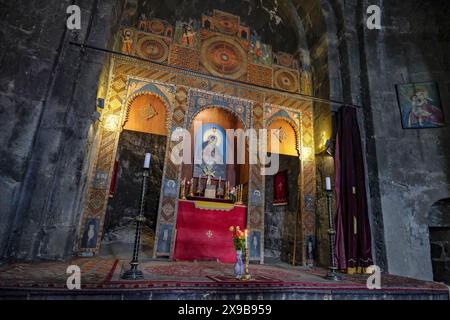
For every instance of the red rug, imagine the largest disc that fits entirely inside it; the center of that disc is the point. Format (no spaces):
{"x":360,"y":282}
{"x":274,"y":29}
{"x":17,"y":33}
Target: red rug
{"x":105,"y":274}
{"x":254,"y":279}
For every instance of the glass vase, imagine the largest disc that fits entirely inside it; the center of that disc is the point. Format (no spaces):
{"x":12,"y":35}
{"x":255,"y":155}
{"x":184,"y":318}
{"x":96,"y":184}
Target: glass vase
{"x":239,"y":265}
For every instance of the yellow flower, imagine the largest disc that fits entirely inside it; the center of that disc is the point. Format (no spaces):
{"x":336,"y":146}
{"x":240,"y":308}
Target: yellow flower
{"x":231,"y":228}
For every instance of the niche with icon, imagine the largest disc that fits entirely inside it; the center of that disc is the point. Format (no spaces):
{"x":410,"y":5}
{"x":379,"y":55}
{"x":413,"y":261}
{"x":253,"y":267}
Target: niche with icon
{"x":215,"y":179}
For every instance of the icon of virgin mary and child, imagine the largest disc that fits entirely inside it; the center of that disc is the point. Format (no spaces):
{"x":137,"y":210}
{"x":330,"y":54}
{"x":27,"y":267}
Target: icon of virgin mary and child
{"x":424,"y":111}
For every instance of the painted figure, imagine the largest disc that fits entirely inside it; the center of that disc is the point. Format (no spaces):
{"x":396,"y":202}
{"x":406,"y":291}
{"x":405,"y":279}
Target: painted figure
{"x":127,"y":41}
{"x":423,"y":111}
{"x":188,"y":36}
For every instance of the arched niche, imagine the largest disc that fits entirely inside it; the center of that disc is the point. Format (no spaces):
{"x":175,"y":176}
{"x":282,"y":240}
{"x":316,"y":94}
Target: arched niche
{"x":144,"y":129}
{"x":226,"y":119}
{"x":287,"y":137}
{"x":280,"y":218}
{"x":439,"y":215}
{"x":146,"y":113}
{"x":439,"y":229}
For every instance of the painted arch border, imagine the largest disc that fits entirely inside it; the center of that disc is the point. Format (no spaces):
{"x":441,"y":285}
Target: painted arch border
{"x":192,"y":109}
{"x":137,"y":86}
{"x":286,"y":114}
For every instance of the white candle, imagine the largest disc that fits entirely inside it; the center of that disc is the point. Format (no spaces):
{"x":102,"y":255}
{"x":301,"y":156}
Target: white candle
{"x":328,"y":183}
{"x":148,"y":156}
{"x":246,"y":240}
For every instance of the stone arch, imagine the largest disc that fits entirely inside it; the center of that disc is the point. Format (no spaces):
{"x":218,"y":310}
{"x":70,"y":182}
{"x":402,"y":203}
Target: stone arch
{"x":283,"y":223}
{"x":137,"y":87}
{"x":240,"y":108}
{"x":439,"y":214}
{"x":132,"y":98}
{"x":197,"y":112}
{"x":439,"y":235}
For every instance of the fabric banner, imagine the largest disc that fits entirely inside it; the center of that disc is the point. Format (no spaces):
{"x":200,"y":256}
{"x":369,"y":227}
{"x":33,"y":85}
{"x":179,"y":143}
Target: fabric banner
{"x":352,"y":239}
{"x":204,"y":234}
{"x":280,"y":191}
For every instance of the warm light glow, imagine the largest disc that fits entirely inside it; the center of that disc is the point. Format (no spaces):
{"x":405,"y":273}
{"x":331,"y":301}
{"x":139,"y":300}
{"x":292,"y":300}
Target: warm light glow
{"x":285,"y":138}
{"x":246,"y":239}
{"x":307,"y":153}
{"x":111,"y":122}
{"x":323,"y":139}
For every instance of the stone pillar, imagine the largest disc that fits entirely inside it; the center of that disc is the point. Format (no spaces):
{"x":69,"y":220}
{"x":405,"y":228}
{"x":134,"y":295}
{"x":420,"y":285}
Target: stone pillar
{"x":255,"y":210}
{"x":168,"y":205}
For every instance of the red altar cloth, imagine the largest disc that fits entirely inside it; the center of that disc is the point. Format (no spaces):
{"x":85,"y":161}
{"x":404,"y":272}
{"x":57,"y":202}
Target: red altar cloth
{"x":203,"y":234}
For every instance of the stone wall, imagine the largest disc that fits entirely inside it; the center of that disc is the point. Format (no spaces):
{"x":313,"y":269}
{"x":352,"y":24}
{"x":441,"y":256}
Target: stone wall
{"x":413,"y":165}
{"x":407,"y":170}
{"x":47,"y":97}
{"x":125,"y":203}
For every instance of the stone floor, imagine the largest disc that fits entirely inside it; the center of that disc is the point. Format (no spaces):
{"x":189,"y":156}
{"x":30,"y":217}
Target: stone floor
{"x":164,"y":279}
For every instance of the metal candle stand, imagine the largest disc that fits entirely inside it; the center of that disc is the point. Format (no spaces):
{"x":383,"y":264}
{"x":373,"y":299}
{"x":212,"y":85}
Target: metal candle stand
{"x":134,"y":273}
{"x":247,"y":275}
{"x":332,"y":274}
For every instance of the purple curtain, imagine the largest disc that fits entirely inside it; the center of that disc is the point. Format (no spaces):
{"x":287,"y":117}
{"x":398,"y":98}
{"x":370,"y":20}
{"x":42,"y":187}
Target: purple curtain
{"x":352,"y":239}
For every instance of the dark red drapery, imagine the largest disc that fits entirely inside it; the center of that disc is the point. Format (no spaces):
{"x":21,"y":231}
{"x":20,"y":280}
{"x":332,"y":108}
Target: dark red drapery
{"x":353,"y":238}
{"x":280,"y":191}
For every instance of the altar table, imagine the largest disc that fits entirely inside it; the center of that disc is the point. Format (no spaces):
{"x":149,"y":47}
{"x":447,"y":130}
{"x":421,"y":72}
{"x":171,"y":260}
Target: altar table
{"x":203,"y":230}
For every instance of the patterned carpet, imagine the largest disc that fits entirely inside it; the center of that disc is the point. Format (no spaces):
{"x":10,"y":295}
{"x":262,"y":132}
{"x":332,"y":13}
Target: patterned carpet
{"x":53,"y":274}
{"x":97,"y":273}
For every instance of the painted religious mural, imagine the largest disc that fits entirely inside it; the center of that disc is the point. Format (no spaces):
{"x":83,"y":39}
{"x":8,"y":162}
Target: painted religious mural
{"x":217,"y":45}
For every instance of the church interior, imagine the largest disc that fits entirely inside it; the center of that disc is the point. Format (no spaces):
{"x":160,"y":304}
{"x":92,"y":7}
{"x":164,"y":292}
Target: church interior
{"x":346,"y":100}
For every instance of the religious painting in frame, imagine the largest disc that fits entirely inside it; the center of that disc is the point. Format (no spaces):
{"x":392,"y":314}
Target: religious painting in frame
{"x":420,"y":105}
{"x":164,"y":238}
{"x":90,"y":233}
{"x":254,"y":243}
{"x":210,"y":148}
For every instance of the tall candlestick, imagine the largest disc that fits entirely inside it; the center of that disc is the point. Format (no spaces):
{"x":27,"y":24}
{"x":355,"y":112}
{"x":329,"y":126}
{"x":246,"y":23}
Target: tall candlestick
{"x":199,"y":186}
{"x":328,"y":183}
{"x":183,"y":189}
{"x":134,"y":273}
{"x":148,"y":156}
{"x":191,"y":188}
{"x":246,"y":240}
{"x":332,"y":274}
{"x":247,"y":275}
{"x":227,"y":191}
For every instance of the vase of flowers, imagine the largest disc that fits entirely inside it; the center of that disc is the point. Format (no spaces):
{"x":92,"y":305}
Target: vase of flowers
{"x":239,"y":246}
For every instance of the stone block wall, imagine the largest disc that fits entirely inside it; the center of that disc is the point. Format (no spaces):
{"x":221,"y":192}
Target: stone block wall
{"x":47,"y":103}
{"x":413,"y":166}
